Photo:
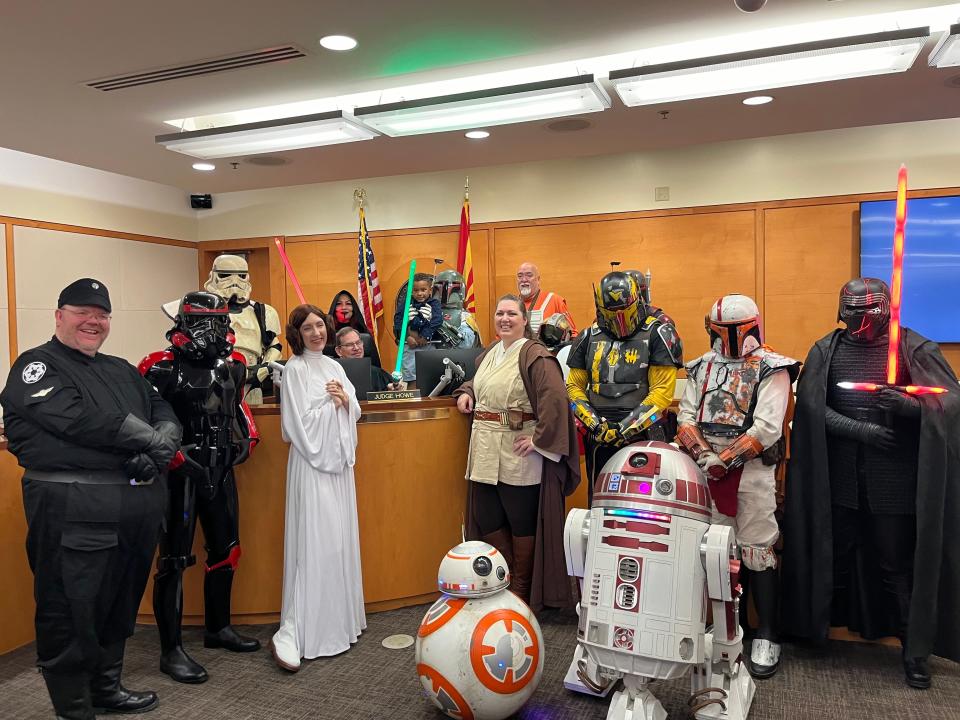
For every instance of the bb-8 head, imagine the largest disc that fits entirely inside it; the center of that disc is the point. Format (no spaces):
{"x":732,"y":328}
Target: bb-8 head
{"x":479,"y":649}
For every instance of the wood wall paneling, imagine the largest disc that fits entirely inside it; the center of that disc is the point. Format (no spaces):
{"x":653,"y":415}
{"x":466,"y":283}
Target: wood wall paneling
{"x":694,"y":259}
{"x":16,"y":600}
{"x":810,"y":253}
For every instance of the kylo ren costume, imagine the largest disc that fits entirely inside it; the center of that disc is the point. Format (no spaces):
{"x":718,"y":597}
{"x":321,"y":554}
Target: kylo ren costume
{"x":873,"y":489}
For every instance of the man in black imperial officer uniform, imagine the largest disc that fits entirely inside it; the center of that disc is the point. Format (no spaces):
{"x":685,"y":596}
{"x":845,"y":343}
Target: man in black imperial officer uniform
{"x":94,"y":439}
{"x":873,"y":490}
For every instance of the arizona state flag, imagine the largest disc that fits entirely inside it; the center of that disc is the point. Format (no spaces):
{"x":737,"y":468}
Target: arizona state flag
{"x":465,"y":259}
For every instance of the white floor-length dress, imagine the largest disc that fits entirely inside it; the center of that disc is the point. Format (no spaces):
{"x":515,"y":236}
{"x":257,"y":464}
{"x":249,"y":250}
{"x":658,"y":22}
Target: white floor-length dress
{"x":322,"y":612}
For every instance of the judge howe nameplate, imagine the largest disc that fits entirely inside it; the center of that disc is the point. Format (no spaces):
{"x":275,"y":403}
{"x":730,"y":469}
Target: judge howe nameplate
{"x":394,"y":395}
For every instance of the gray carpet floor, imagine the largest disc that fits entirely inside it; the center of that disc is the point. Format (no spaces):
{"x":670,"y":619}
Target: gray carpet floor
{"x":851,"y":681}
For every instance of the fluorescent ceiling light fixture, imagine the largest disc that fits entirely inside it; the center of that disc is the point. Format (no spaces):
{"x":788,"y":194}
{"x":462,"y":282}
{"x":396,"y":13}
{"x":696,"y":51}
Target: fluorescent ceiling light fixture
{"x":499,"y":106}
{"x":427,"y":84}
{"x":271,"y":136}
{"x":758,"y":100}
{"x":477,"y":134}
{"x":947,"y":51}
{"x":338,"y":42}
{"x":204,"y":167}
{"x":837,"y":59}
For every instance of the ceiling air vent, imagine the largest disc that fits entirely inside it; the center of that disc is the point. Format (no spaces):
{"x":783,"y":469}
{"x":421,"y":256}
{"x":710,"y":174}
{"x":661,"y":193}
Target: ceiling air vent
{"x":202,"y":67}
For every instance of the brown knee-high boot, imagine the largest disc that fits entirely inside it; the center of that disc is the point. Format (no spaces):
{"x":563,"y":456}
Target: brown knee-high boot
{"x":522,"y":568}
{"x":502,"y":541}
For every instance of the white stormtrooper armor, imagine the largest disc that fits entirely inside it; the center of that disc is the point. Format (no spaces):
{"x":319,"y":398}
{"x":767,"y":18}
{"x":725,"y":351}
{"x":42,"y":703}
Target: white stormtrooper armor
{"x":255,"y":325}
{"x":648,"y":559}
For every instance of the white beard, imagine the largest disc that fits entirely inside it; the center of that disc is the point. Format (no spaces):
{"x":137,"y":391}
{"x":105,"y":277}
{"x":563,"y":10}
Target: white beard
{"x":526,"y":291}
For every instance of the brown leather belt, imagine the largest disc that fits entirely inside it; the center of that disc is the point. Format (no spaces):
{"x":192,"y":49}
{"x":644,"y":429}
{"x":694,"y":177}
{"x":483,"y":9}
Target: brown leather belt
{"x":501,"y":417}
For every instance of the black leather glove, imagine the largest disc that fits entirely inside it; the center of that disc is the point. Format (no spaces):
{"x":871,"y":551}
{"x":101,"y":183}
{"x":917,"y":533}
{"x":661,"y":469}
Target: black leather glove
{"x":160,"y":442}
{"x":898,"y":403}
{"x":868,"y":433}
{"x":141,"y":468}
{"x":165,"y":443}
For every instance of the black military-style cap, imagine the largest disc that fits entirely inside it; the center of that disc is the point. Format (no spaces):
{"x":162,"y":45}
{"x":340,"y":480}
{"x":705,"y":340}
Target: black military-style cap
{"x":85,"y":291}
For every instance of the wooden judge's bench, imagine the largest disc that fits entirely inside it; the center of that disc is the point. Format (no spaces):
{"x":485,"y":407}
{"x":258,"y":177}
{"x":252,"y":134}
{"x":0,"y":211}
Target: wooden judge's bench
{"x":411,"y":496}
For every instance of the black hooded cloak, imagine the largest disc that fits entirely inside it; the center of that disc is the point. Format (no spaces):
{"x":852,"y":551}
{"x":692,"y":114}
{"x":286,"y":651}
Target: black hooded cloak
{"x":934,"y":622}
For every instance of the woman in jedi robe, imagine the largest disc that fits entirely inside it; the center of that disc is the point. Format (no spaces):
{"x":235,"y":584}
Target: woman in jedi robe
{"x":322,"y":612}
{"x":523,"y":457}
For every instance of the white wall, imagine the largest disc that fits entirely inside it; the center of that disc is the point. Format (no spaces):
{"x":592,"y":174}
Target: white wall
{"x":38,"y":188}
{"x":834,"y":162}
{"x":140,"y":277}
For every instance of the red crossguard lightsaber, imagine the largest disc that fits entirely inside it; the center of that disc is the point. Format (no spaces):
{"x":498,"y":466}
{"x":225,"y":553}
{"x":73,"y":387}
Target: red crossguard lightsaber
{"x":896,"y":293}
{"x":290,"y":274}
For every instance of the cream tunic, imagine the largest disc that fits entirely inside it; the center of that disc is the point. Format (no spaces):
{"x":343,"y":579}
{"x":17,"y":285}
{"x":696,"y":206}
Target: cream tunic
{"x":498,"y":387}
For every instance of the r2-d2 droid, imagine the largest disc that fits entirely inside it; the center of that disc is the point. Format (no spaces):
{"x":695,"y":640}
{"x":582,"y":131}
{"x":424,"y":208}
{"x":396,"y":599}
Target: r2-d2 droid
{"x":648,"y":559}
{"x":479,"y":648}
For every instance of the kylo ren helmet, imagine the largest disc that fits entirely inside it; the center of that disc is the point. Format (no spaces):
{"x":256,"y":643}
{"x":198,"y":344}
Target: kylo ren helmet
{"x":865,"y":308}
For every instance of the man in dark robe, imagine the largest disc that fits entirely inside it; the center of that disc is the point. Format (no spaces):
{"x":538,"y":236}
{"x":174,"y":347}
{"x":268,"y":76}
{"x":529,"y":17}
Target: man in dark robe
{"x":872,"y":490}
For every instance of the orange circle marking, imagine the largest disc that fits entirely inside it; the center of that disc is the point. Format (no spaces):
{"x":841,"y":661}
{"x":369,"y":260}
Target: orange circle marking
{"x":478,"y":651}
{"x":454,"y":605}
{"x":437,"y":683}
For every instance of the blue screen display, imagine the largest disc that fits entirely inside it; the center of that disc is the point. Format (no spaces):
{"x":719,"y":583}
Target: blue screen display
{"x":931,"y":261}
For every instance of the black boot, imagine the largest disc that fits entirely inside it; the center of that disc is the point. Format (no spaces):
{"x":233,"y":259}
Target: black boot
{"x":217,"y":586}
{"x":916,"y":672}
{"x":168,"y":611}
{"x":70,"y":695}
{"x":765,"y":648}
{"x":106,"y":692}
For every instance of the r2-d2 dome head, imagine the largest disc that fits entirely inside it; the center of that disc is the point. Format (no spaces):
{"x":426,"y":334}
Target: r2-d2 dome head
{"x":230,"y":279}
{"x":473,"y":569}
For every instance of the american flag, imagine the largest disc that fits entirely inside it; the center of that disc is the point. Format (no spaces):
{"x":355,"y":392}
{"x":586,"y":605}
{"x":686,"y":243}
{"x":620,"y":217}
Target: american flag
{"x":368,"y":284}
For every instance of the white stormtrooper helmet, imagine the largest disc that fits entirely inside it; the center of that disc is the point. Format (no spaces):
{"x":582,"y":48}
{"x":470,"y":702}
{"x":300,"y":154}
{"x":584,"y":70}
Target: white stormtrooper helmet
{"x":230,"y":278}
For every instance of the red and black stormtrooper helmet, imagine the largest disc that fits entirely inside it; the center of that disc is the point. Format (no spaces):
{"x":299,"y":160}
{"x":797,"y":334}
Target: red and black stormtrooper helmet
{"x":865,"y":308}
{"x":202,"y":327}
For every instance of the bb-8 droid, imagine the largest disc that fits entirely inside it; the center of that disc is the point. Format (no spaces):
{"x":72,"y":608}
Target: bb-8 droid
{"x":479,"y":649}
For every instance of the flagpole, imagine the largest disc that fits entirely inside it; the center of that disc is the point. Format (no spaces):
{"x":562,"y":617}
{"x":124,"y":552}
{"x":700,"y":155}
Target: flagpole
{"x":360,"y":195}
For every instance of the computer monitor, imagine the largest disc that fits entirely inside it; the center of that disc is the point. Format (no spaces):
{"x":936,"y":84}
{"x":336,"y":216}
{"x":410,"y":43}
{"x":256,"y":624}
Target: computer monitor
{"x":358,"y":373}
{"x":430,"y":367}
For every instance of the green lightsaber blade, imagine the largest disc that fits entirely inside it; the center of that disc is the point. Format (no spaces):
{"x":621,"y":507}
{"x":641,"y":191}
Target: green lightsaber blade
{"x":397,"y":374}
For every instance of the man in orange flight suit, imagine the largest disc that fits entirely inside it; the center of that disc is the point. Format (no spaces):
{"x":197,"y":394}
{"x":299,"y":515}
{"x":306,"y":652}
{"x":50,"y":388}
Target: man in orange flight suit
{"x":540,"y":305}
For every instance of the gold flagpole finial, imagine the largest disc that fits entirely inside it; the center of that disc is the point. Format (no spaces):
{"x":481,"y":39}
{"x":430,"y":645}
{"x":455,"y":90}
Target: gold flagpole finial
{"x":360,"y":197}
{"x":466,"y":188}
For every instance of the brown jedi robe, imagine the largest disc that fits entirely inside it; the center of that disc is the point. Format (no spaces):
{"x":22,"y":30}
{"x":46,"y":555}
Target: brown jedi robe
{"x":555,"y":432}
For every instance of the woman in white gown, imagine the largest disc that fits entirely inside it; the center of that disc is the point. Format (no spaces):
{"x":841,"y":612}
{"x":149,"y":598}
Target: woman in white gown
{"x":322,"y":612}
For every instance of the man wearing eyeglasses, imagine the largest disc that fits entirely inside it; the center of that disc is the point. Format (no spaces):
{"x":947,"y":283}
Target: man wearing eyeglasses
{"x":94,"y":438}
{"x":349,"y":345}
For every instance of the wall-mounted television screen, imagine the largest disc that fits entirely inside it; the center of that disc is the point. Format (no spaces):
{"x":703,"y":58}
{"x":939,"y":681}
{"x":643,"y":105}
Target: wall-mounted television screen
{"x":931,"y":261}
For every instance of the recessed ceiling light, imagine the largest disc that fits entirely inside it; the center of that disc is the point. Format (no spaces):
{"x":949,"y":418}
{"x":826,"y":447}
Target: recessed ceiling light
{"x":758,"y":100}
{"x":477,"y":134}
{"x":338,"y":42}
{"x":204,"y":167}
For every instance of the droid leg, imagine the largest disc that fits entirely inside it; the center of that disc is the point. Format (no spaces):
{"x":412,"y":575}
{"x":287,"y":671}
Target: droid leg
{"x":635,"y":701}
{"x":722,"y":689}
{"x":583,"y":676}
